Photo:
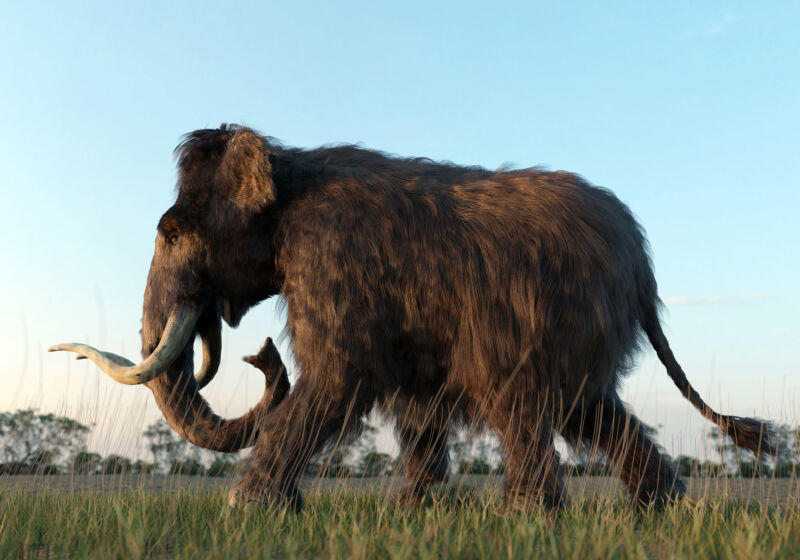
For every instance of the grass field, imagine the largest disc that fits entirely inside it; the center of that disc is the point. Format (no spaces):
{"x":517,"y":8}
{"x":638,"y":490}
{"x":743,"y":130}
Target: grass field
{"x":161,"y":517}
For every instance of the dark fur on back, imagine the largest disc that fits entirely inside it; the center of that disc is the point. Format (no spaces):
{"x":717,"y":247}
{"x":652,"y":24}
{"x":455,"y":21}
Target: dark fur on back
{"x":515,"y":299}
{"x":473,"y":269}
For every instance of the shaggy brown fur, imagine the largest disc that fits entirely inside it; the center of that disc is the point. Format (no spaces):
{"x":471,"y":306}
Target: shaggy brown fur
{"x":515,"y":300}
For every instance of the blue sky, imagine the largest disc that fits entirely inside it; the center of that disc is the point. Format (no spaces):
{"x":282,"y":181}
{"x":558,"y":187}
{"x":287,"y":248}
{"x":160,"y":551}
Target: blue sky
{"x":690,"y":113}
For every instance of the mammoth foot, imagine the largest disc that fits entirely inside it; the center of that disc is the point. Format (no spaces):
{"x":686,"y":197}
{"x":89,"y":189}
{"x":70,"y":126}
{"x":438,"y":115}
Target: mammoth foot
{"x":409,"y":497}
{"x":529,"y":503}
{"x":660,"y":496}
{"x":247,"y":496}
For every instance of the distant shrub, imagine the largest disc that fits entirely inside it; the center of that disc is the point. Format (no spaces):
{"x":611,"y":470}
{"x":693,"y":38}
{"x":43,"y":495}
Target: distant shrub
{"x":140,"y":467}
{"x":13,"y":467}
{"x":375,"y":463}
{"x":691,"y":467}
{"x":752,"y":469}
{"x":116,"y":464}
{"x":786,"y":470}
{"x":475,"y":466}
{"x":189,"y":467}
{"x":85,"y":462}
{"x":221,"y":467}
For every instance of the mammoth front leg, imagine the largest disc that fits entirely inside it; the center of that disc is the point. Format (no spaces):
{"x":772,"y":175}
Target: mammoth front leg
{"x":425,"y":459}
{"x":315,"y":412}
{"x":532,"y":476}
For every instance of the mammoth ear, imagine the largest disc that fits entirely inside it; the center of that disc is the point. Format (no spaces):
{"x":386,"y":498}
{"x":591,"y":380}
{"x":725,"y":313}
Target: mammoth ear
{"x":245,"y":171}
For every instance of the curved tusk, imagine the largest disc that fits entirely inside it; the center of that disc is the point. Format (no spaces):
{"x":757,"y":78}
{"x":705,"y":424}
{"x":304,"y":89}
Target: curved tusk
{"x":173,"y":341}
{"x":211,"y":336}
{"x":121,"y":360}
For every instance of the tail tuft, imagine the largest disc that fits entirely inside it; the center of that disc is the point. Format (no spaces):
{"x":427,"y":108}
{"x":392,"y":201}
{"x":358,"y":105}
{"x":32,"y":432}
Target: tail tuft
{"x":758,"y":436}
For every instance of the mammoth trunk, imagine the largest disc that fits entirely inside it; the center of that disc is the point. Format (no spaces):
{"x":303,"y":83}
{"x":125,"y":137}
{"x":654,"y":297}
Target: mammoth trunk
{"x":167,"y":371}
{"x":178,"y":396}
{"x":177,"y":392}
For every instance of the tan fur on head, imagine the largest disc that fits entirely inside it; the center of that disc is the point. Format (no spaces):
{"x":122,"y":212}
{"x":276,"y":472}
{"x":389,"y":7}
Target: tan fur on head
{"x":246,"y":169}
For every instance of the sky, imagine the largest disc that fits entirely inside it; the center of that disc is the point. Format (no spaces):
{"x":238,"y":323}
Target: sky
{"x":689,"y":112}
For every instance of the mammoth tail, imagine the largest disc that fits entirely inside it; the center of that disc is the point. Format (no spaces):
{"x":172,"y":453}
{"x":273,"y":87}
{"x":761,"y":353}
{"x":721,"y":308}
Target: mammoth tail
{"x":751,"y":433}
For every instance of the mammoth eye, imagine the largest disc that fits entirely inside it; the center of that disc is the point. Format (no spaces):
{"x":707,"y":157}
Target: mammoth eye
{"x":172,"y":238}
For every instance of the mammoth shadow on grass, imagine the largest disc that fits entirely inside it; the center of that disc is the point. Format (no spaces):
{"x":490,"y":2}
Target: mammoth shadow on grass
{"x":445,"y":295}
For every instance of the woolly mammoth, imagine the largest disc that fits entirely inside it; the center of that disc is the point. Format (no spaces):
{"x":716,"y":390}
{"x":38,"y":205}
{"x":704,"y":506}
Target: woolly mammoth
{"x":513,"y":300}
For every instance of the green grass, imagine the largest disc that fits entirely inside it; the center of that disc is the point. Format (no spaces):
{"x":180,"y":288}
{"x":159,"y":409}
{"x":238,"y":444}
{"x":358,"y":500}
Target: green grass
{"x":366,"y":525}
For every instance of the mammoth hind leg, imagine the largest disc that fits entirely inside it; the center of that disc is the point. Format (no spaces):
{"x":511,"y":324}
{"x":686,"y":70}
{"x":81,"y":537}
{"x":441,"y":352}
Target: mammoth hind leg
{"x":607,"y":425}
{"x":532,"y":474}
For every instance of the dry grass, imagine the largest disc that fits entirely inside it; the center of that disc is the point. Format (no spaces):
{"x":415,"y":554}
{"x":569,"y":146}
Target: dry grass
{"x":186,"y":517}
{"x":779,"y":492}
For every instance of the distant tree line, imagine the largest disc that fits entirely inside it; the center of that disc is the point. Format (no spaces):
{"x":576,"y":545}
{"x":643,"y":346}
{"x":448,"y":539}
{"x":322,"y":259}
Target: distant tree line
{"x":735,"y":462}
{"x":479,"y":455}
{"x":32,"y":443}
{"x":35,"y":443}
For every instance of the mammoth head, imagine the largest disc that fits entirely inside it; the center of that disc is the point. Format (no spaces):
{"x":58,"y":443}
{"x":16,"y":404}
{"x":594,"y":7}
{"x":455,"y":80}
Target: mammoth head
{"x":213,"y":259}
{"x":213,"y":245}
